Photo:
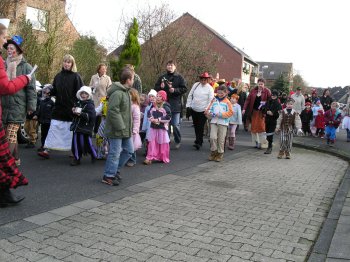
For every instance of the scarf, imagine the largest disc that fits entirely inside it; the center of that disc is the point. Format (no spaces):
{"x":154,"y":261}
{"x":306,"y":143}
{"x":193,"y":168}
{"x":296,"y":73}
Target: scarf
{"x":12,"y":63}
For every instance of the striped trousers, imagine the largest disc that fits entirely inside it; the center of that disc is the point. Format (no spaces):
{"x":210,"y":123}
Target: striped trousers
{"x":286,"y":140}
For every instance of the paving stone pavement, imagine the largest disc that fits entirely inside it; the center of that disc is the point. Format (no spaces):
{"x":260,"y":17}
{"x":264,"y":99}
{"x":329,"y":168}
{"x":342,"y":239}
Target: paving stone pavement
{"x":253,"y":207}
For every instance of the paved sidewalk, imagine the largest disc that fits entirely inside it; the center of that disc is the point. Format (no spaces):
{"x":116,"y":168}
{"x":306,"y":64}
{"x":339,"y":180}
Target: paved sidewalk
{"x":333,"y":243}
{"x":251,"y":207}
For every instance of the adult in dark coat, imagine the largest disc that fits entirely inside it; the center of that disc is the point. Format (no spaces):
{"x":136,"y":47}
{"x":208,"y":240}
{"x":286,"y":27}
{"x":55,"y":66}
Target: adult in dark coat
{"x":175,"y":87}
{"x":326,"y":100}
{"x":65,"y":86}
{"x":272,"y":109}
{"x":10,"y":176}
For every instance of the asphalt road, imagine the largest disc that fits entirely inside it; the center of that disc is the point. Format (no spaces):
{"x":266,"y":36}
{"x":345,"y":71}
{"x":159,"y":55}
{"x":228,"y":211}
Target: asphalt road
{"x":54,"y":183}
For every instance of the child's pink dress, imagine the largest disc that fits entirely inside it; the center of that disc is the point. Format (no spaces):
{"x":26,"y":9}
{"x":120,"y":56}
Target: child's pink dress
{"x":158,"y":140}
{"x":136,"y":118}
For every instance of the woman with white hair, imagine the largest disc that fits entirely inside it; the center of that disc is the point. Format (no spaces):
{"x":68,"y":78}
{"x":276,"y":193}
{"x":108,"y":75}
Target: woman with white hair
{"x":64,"y":87}
{"x":10,"y":176}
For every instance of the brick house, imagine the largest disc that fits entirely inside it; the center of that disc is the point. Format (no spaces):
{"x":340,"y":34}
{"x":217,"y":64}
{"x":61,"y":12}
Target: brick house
{"x":234,"y":63}
{"x":39,"y":13}
{"x":271,"y":71}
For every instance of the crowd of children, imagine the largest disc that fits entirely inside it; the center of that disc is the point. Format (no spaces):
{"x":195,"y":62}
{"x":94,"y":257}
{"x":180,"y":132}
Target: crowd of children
{"x":151,"y":115}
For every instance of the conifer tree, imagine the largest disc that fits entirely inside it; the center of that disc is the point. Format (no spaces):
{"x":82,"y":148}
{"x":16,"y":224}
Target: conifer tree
{"x":131,"y":53}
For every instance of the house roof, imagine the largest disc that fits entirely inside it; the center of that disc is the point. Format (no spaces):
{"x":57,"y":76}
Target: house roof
{"x":116,"y":52}
{"x":245,"y":56}
{"x":275,"y":69}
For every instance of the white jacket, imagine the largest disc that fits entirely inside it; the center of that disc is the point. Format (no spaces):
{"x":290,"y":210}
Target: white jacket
{"x":200,"y":97}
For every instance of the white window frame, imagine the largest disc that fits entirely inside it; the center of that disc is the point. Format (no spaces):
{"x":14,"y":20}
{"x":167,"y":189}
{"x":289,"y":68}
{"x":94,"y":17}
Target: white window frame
{"x":37,"y":17}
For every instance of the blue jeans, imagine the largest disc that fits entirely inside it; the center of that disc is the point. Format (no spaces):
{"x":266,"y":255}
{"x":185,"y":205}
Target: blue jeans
{"x":132,"y":158}
{"x":348,"y":134}
{"x":175,"y":123}
{"x":330,"y":132}
{"x":120,"y":150}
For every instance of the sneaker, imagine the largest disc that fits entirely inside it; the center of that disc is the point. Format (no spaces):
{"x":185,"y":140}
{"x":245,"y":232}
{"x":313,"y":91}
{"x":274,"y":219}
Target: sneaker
{"x":44,"y":154}
{"x":197,"y":146}
{"x":118,"y":176}
{"x":111,"y":181}
{"x":147,"y":162}
{"x":130,"y":164}
{"x":177,"y":145}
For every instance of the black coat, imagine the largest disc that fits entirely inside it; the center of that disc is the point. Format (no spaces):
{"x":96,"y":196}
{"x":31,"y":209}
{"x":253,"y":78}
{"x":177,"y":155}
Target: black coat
{"x":179,"y":84}
{"x":275,"y":107}
{"x":65,"y":87}
{"x":306,"y":116}
{"x":45,"y":110}
{"x":326,"y":102}
{"x":84,"y":123}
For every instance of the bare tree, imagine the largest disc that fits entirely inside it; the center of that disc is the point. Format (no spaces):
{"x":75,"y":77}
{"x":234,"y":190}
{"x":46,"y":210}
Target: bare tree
{"x":164,"y":39}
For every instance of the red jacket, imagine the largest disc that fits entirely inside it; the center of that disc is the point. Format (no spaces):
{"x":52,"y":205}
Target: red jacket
{"x":8,"y":87}
{"x":249,"y":103}
{"x":319,"y":121}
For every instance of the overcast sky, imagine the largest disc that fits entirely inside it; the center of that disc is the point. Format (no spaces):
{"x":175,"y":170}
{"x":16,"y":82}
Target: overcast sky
{"x":309,"y":33}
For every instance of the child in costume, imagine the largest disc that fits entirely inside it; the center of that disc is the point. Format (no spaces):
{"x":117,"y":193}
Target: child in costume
{"x":306,"y":116}
{"x":101,"y":139}
{"x":158,"y":139}
{"x":136,"y":117}
{"x":332,"y":119}
{"x":83,"y":125}
{"x":234,"y":121}
{"x":220,"y":110}
{"x":287,"y":121}
{"x":46,"y":105}
{"x":146,"y":124}
{"x":320,"y":123}
{"x":271,"y":111}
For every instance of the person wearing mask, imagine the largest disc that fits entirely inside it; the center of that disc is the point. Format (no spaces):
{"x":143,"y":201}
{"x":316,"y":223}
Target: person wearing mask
{"x":10,"y":176}
{"x":175,"y":87}
{"x":17,"y":106}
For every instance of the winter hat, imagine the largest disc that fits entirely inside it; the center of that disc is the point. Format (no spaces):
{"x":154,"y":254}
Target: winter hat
{"x":320,"y":111}
{"x":17,"y":41}
{"x":307,"y":104}
{"x":152,"y":92}
{"x":163,"y":94}
{"x":47,"y":86}
{"x":274,"y":93}
{"x":85,"y":89}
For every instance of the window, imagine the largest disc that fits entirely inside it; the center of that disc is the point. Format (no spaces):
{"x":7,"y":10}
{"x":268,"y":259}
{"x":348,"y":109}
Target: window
{"x":37,"y":17}
{"x":272,"y":73}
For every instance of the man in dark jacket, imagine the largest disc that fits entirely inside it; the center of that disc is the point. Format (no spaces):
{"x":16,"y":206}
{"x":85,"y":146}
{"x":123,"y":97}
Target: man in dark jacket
{"x":175,"y":87}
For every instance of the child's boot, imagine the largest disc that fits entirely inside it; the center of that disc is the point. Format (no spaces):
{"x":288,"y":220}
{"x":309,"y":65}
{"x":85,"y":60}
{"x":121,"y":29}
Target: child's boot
{"x":268,"y":150}
{"x":231,"y":143}
{"x":213,"y":155}
{"x":280,"y":154}
{"x":219,"y":157}
{"x":288,"y":156}
{"x":75,"y":162}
